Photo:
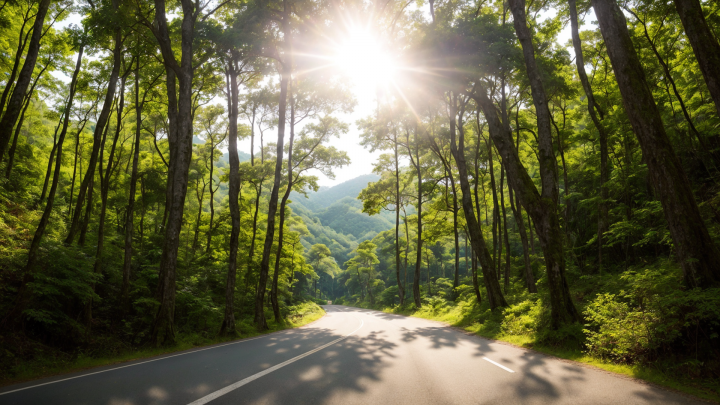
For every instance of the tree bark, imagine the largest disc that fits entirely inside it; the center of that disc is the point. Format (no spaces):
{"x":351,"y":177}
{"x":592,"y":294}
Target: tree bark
{"x":506,"y":238}
{"x":401,"y":288}
{"x":99,"y":128}
{"x":228,"y":325}
{"x":281,"y":231}
{"x":104,"y":191}
{"x":180,"y":140}
{"x":51,"y":158}
{"x":23,"y":297}
{"x":695,"y":249}
{"x":418,"y":256}
{"x":593,"y":110}
{"x":130,"y":210}
{"x":27,"y":101}
{"x":7,"y":122}
{"x":702,"y":40}
{"x":273,"y":203}
{"x":22,"y":41}
{"x":542,"y":206}
{"x":476,"y":284}
{"x":477,"y":240}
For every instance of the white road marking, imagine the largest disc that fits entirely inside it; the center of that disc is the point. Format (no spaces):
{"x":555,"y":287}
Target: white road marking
{"x":232,"y":387}
{"x":499,"y":365}
{"x":143,"y":362}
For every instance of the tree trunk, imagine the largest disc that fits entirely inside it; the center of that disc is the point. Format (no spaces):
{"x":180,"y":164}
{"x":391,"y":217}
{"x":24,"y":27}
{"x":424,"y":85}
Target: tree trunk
{"x":505,"y":231}
{"x":23,"y":297}
{"x":104,"y":191}
{"x":212,"y":199}
{"x":543,"y":211}
{"x":22,"y":41}
{"x":13,"y":146}
{"x":251,"y":250}
{"x":27,"y":101}
{"x":496,"y":206}
{"x":476,"y":284}
{"x":695,"y":249}
{"x":542,"y":206}
{"x":228,"y":325}
{"x":702,"y":141}
{"x":702,"y":40}
{"x":494,"y":293}
{"x":273,"y":203}
{"x":51,"y":158}
{"x":99,"y":128}
{"x":200,"y":197}
{"x":130,"y":210}
{"x":281,"y":225}
{"x":7,"y":123}
{"x":517,"y":214}
{"x":418,"y":256}
{"x":456,"y":236}
{"x":401,"y":288}
{"x":88,"y":210}
{"x":180,"y":140}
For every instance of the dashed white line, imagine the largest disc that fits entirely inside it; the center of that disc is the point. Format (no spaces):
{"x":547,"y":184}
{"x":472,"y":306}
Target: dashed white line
{"x":499,"y":365}
{"x":232,"y":387}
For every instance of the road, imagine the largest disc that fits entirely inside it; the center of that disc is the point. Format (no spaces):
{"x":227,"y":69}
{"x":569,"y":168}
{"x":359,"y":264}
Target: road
{"x":350,"y":356}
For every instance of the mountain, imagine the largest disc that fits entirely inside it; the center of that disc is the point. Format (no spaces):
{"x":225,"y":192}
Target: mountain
{"x":334,"y":217}
{"x":244,"y":157}
{"x":325,"y":197}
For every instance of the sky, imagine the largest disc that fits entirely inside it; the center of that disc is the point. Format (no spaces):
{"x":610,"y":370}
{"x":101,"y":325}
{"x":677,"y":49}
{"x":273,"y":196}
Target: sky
{"x":366,"y":66}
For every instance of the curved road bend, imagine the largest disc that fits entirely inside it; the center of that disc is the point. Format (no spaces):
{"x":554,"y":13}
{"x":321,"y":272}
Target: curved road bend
{"x":350,"y":356}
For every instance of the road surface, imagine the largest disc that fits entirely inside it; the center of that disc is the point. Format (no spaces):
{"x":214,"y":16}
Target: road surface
{"x":350,"y":356}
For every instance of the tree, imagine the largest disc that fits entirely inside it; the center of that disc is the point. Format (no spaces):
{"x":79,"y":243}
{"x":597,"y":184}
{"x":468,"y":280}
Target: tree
{"x":695,"y":249}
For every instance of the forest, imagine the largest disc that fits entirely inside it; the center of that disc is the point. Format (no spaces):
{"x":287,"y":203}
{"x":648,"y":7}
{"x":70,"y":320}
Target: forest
{"x":548,"y":173}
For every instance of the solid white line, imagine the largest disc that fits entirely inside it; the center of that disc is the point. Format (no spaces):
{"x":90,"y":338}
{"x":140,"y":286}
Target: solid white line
{"x":232,"y":387}
{"x":143,"y":362}
{"x":499,"y":365}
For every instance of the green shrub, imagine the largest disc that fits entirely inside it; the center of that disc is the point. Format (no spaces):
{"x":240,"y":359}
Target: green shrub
{"x":523,"y":318}
{"x":653,"y":316}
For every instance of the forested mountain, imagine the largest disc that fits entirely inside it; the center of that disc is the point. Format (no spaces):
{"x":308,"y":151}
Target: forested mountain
{"x":327,"y":196}
{"x":334,"y":217}
{"x":548,"y":190}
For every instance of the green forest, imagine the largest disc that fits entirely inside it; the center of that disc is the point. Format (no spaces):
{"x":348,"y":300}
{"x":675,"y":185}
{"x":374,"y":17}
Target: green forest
{"x":547,"y":173}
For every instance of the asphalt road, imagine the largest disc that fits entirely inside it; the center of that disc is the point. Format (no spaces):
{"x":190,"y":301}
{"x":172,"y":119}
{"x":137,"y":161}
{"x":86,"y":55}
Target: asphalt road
{"x":350,"y":356}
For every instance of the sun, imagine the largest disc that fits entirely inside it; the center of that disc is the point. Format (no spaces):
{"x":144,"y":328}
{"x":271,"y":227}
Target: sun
{"x":362,"y":58}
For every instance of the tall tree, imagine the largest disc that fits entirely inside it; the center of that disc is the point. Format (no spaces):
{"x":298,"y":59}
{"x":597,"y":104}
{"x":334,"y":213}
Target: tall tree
{"x":548,"y":224}
{"x":704,"y":44}
{"x":696,"y":251}
{"x":10,"y":116}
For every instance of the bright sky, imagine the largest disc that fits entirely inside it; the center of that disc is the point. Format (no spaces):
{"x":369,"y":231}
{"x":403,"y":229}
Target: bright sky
{"x":359,"y":58}
{"x":363,"y":61}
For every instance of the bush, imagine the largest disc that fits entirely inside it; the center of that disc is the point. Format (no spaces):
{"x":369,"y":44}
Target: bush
{"x":653,"y":316}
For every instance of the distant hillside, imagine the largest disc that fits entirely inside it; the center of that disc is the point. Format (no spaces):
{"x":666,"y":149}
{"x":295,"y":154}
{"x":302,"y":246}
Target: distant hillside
{"x":346,"y":216}
{"x":244,"y":157}
{"x":334,"y":217}
{"x":325,"y":197}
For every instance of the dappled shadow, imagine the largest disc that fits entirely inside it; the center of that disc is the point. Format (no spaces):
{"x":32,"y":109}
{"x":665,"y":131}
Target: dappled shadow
{"x":346,"y":367}
{"x":183,"y":377}
{"x":392,"y":359}
{"x":382,"y":315}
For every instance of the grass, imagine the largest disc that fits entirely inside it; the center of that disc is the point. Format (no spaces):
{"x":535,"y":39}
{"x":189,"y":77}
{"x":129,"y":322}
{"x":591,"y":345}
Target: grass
{"x":54,"y":365}
{"x":459,"y":316}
